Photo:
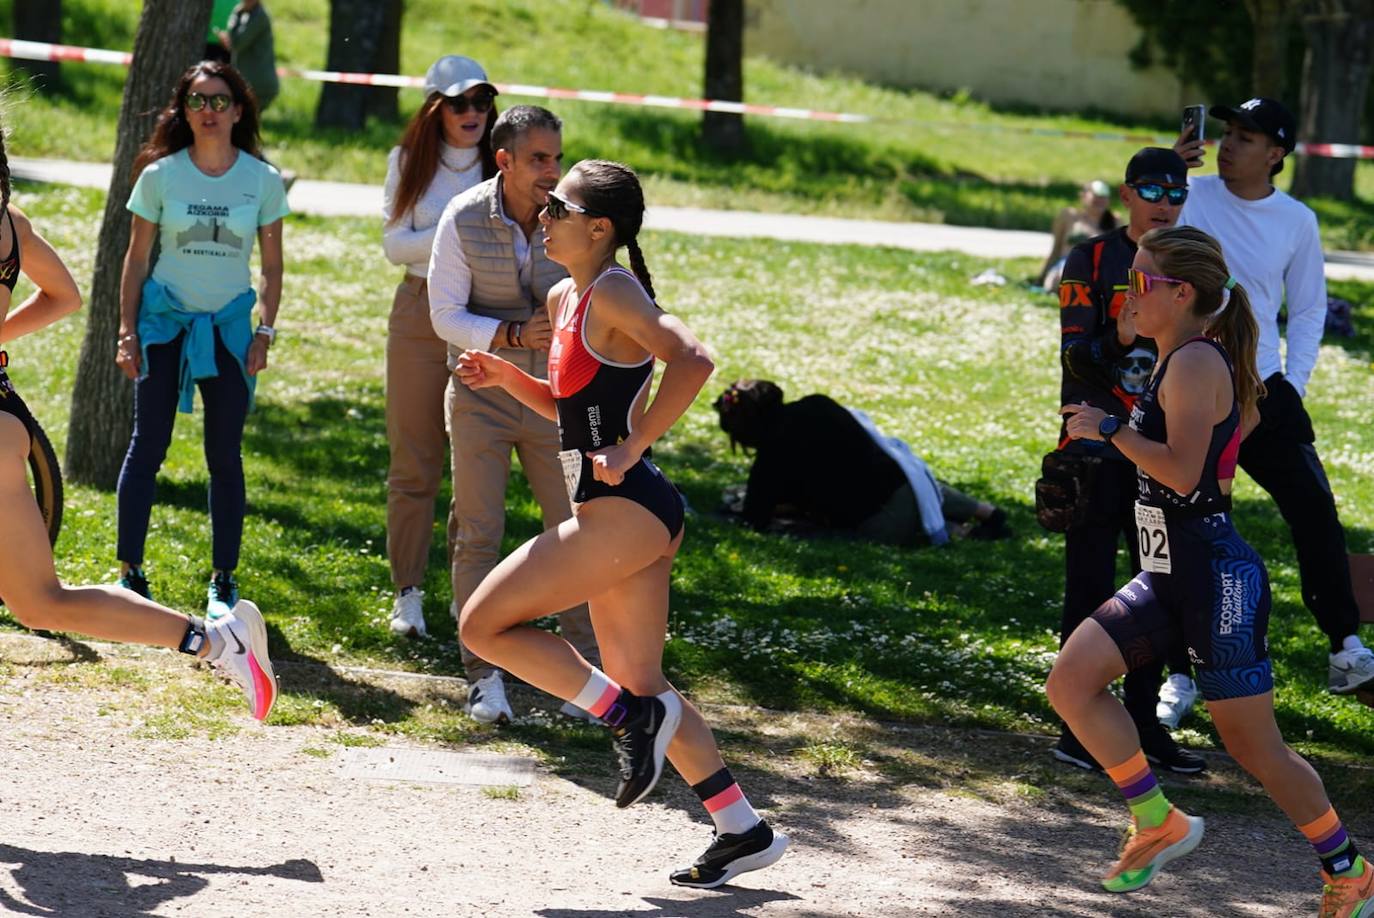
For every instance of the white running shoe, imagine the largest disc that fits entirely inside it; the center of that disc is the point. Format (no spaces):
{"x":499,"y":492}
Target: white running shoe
{"x":1351,"y":670}
{"x":1177,"y":696}
{"x":242,"y":636}
{"x":408,"y":615}
{"x":487,"y":702}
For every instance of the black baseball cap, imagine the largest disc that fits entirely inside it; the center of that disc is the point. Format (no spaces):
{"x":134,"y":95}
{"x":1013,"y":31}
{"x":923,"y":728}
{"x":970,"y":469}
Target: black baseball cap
{"x":1265,"y":116}
{"x":1157,"y":164}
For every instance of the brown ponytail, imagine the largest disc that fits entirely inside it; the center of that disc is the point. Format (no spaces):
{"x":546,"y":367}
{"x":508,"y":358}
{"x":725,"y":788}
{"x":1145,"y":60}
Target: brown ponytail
{"x":641,"y":270}
{"x":1189,"y":254}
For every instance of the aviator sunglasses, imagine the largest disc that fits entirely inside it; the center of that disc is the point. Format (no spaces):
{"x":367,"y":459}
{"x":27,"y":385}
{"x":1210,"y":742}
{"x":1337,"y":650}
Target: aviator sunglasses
{"x":1152,"y":192}
{"x":219,"y":102}
{"x":480,"y":103}
{"x":560,"y":207}
{"x":1140,"y":283}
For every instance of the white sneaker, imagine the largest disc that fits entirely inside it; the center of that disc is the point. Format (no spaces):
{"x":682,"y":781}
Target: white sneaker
{"x":408,"y":615}
{"x":1351,"y":670}
{"x":571,"y":710}
{"x":487,"y":702}
{"x":242,"y":635}
{"x":1177,"y":696}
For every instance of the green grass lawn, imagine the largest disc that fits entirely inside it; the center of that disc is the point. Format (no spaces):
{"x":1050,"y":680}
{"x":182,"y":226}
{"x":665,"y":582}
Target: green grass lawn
{"x":933,"y":159}
{"x":969,"y":375}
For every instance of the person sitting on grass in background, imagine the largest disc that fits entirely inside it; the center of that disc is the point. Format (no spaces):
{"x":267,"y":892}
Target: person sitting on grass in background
{"x":885,"y":492}
{"x":1073,"y":225}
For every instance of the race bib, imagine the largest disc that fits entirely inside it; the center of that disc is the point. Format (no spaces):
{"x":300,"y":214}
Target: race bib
{"x":572,"y":471}
{"x":1154,"y":539}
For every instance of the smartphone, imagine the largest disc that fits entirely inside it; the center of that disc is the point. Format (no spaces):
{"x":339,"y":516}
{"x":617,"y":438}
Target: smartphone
{"x":1195,"y":121}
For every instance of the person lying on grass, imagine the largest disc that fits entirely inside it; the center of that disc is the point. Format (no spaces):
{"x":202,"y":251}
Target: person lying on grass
{"x":884,"y":493}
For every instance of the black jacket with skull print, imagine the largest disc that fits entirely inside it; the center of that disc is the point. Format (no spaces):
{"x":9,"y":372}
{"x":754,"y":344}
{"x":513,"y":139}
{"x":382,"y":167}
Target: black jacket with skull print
{"x":1098,"y":369}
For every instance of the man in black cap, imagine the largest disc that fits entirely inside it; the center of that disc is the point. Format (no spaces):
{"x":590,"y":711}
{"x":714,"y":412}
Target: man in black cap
{"x":1273,"y":249}
{"x":1106,"y":365}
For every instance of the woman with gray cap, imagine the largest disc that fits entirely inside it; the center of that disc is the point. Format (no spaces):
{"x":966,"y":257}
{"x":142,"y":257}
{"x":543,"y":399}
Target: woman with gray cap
{"x":446,"y":150}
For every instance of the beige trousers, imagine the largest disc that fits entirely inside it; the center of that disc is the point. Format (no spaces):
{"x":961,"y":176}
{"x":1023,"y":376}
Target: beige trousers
{"x":417,"y":376}
{"x":485,"y":427}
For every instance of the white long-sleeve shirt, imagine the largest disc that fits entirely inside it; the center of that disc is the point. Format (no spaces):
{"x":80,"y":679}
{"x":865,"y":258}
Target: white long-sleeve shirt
{"x":450,"y":280}
{"x":1273,"y":248}
{"x":407,"y":241}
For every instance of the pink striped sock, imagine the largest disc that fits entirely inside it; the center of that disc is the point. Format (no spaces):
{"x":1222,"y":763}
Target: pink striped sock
{"x":729,"y":808}
{"x":598,"y":694}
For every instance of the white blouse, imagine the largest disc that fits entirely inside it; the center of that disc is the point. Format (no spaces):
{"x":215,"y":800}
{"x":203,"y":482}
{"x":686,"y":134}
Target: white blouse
{"x":408,"y":240}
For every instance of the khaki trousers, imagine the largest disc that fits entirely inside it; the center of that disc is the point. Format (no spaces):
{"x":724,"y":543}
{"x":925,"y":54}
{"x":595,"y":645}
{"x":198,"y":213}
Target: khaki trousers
{"x":417,"y":376}
{"x":485,"y":426}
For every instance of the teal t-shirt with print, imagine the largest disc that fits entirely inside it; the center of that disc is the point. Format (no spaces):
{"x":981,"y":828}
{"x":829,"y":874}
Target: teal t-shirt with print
{"x":207,"y":224}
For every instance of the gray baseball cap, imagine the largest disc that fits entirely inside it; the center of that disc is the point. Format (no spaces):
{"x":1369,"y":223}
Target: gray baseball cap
{"x":454,"y":75}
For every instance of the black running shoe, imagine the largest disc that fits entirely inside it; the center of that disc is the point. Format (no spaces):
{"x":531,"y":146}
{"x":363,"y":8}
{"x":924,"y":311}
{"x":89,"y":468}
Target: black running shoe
{"x":1160,"y":749}
{"x":641,"y":744}
{"x":134,"y":581}
{"x":731,"y":855}
{"x":1071,"y":752}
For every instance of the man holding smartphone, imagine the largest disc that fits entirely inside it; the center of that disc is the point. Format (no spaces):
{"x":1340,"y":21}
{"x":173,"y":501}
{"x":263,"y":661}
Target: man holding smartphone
{"x":1273,"y":248}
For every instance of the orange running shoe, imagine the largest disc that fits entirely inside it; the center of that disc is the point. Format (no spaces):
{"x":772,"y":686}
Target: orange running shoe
{"x":1348,"y":897}
{"x":1146,"y":850}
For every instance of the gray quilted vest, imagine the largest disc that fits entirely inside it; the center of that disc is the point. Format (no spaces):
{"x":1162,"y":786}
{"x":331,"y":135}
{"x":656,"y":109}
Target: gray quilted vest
{"x":488,"y":241}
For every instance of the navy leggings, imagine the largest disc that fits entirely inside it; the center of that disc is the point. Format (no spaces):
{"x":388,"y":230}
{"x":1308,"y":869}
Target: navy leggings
{"x":155,"y":406}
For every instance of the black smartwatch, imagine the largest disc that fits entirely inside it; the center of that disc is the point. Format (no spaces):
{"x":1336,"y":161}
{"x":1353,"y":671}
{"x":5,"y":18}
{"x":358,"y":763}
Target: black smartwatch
{"x":1108,"y":427}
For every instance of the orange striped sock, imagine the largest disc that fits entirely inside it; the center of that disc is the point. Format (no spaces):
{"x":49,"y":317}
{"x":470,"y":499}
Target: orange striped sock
{"x":1143,"y":794}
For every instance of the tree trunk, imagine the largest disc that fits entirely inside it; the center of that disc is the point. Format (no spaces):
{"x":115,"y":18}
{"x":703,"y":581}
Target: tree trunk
{"x":39,"y":20}
{"x":381,"y":100}
{"x":171,"y":37}
{"x":355,"y":34}
{"x":1269,"y":20}
{"x":1335,"y":80}
{"x":723,"y":132}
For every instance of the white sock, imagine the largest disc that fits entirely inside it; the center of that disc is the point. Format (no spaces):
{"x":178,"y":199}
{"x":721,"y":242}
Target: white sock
{"x":1352,"y":642}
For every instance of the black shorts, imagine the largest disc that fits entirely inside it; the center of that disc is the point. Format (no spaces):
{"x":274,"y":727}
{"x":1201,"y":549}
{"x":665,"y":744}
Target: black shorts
{"x":645,"y":485}
{"x":11,"y":403}
{"x":1215,"y":599}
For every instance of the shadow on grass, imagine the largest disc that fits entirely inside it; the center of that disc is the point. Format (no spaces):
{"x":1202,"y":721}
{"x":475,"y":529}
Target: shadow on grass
{"x":71,"y":882}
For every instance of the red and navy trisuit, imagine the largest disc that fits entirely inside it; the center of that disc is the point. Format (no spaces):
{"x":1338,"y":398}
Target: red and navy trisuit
{"x":10,"y":402}
{"x":1216,"y":593}
{"x":597,"y":400}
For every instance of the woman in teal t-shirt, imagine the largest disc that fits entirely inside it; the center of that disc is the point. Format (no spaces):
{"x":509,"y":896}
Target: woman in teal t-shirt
{"x":204,"y":191}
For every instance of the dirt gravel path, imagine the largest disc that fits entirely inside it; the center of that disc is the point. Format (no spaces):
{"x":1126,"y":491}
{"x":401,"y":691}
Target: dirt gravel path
{"x":95,"y":821}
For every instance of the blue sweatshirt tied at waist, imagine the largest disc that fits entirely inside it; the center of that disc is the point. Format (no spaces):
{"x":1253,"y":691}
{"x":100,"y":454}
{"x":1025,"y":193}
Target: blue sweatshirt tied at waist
{"x":161,"y":319}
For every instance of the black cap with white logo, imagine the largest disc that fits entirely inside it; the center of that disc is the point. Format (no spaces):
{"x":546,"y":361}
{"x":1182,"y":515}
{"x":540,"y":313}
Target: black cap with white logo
{"x":1264,"y":115}
{"x":1157,"y":164}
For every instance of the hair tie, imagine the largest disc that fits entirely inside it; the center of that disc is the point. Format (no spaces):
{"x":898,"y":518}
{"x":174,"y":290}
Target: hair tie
{"x":1230,"y":282}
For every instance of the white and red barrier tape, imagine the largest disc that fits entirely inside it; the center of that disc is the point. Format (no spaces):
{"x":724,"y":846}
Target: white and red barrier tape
{"x":42,"y":51}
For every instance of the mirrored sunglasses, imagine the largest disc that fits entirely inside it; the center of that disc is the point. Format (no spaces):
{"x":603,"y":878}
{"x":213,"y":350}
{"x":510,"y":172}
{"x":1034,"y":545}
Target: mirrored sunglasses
{"x":1152,"y":192}
{"x":219,"y":102}
{"x":1140,"y":283}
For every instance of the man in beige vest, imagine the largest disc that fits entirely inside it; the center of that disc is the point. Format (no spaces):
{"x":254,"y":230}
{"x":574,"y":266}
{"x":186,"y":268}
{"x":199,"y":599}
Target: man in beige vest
{"x":488,"y":282}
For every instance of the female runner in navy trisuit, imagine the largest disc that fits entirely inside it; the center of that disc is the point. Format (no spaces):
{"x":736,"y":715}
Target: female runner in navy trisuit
{"x":1201,"y":583}
{"x":236,"y":644}
{"x":616,"y":553}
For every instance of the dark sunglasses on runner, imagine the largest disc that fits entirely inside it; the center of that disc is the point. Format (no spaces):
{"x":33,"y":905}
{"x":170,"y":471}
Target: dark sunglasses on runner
{"x":1140,"y":283}
{"x":1151,"y":192}
{"x":219,"y":102}
{"x":480,"y":103}
{"x":559,"y":208}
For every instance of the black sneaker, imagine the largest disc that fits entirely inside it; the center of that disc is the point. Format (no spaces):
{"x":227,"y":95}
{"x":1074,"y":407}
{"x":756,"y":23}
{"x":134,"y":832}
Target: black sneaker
{"x":993,"y":528}
{"x":1160,"y":749}
{"x":641,"y":744}
{"x":134,"y":581}
{"x":731,"y":855}
{"x":1071,"y":752}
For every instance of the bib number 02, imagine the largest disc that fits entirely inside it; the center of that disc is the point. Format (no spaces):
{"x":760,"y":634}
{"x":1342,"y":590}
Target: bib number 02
{"x":1154,"y":539}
